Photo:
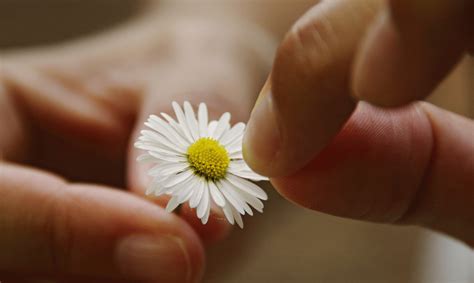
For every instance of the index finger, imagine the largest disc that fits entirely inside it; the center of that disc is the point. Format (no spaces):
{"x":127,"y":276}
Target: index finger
{"x":413,"y":46}
{"x":12,"y":131}
{"x":307,"y":98}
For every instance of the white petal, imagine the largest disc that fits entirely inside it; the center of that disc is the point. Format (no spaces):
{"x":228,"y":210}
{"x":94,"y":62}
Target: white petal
{"x":230,"y":189}
{"x":227,"y":209}
{"x":202,"y":120}
{"x":249,"y":175}
{"x":205,"y":218}
{"x":185,"y":193}
{"x":176,"y":127}
{"x":151,"y":189}
{"x":145,"y":158}
{"x":148,"y":146}
{"x":196,"y":198}
{"x":192,"y":185}
{"x":176,"y":168}
{"x":157,"y":148}
{"x":160,"y":179}
{"x":157,"y":127}
{"x":238,"y":165}
{"x":159,"y":139}
{"x":174,"y":158}
{"x":178,"y":191}
{"x":182,"y":120}
{"x":191,"y":120}
{"x":235,"y":146}
{"x":172,"y":204}
{"x":247,"y":186}
{"x":156,"y":170}
{"x":211,"y":128}
{"x":216,"y":194}
{"x":226,"y":130}
{"x":168,"y":118}
{"x":203,"y":204}
{"x":238,"y":218}
{"x":168,"y":169}
{"x":160,"y":189}
{"x":178,"y":194}
{"x":222,"y":125}
{"x":178,"y":178}
{"x":234,"y":133}
{"x":165,"y":137}
{"x":143,"y":139}
{"x":152,"y":135}
{"x":252,"y":200}
{"x":171,"y":133}
{"x":228,"y":196}
{"x":158,"y":182}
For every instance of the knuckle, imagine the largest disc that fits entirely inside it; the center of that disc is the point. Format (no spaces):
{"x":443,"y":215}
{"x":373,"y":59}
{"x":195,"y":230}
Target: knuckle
{"x":58,"y":231}
{"x":307,"y":46}
{"x":323,"y":42}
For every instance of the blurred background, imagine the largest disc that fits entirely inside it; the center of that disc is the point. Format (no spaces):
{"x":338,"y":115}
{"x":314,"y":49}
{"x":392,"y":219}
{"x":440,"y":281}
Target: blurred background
{"x":287,"y":243}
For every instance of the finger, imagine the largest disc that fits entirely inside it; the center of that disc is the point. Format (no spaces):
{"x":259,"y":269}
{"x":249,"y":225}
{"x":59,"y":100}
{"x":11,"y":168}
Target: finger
{"x":58,"y":108}
{"x":48,"y":123}
{"x":306,"y":100}
{"x":409,"y":165}
{"x":114,"y":86}
{"x":53,"y":229}
{"x":216,"y":228}
{"x":411,"y":48}
{"x":13,"y":141}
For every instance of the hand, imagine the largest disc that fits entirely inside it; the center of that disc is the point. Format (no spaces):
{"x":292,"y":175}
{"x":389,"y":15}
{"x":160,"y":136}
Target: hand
{"x":409,"y":165}
{"x":75,"y":110}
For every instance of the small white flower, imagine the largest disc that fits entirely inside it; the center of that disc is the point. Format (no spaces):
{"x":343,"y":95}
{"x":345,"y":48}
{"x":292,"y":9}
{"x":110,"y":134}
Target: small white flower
{"x":200,"y":163}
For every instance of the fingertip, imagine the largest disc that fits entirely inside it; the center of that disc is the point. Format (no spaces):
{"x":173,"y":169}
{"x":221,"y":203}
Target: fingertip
{"x":216,"y":229}
{"x":167,"y":258}
{"x":262,"y":138}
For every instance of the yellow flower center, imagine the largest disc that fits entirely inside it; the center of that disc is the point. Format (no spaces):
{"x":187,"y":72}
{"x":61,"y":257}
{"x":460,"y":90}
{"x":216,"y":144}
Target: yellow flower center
{"x":208,"y":159}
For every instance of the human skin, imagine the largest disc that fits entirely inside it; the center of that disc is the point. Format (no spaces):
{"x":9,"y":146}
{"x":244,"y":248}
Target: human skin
{"x":69,"y":115}
{"x":390,"y":158}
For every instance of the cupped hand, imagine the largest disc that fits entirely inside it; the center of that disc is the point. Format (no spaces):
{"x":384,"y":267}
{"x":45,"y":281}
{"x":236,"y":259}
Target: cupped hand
{"x":75,"y":110}
{"x":409,"y":162}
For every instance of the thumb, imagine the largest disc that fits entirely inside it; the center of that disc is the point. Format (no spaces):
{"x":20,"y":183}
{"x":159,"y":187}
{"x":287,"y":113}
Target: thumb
{"x":407,"y":165}
{"x":306,"y":100}
{"x":411,"y":48}
{"x":55,"y":230}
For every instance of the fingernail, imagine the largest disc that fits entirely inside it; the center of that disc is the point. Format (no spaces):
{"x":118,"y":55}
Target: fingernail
{"x":262,"y":137}
{"x":155,"y":259}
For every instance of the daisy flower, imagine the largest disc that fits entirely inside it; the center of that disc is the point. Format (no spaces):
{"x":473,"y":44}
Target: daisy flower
{"x":201,"y":163}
